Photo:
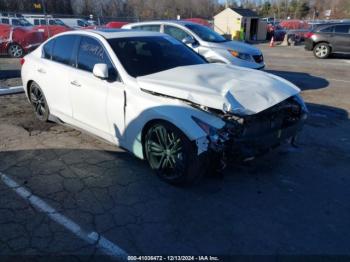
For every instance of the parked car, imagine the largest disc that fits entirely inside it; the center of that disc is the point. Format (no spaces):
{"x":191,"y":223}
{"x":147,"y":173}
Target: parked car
{"x":150,"y":94}
{"x":206,"y":42}
{"x":115,"y":24}
{"x":16,"y":41}
{"x":14,"y":21}
{"x":328,"y":39}
{"x":51,"y":30}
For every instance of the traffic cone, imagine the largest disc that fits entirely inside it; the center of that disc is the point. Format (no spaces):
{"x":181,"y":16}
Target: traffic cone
{"x":272,"y":42}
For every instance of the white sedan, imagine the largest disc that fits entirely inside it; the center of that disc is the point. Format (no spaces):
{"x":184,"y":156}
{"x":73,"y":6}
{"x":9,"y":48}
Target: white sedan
{"x":152,"y":95}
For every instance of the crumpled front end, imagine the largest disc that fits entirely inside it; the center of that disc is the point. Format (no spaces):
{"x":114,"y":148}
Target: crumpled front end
{"x":245,"y":137}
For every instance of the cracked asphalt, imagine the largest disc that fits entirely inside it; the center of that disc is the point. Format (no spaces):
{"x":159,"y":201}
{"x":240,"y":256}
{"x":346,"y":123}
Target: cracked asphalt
{"x":293,"y":201}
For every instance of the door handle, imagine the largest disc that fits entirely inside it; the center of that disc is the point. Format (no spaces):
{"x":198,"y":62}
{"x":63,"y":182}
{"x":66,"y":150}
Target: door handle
{"x":42,"y":71}
{"x":75,"y":83}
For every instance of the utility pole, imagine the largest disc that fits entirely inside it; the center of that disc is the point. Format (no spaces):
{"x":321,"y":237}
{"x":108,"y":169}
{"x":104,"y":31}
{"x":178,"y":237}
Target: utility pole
{"x":45,"y":15}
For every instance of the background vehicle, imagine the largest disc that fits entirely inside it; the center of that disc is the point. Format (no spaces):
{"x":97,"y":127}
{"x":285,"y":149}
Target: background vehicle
{"x":51,"y":30}
{"x":328,"y":39}
{"x":16,"y":41}
{"x":14,"y":21}
{"x":115,"y":24}
{"x":45,"y":21}
{"x":214,"y":47}
{"x":75,"y":22}
{"x":150,"y":94}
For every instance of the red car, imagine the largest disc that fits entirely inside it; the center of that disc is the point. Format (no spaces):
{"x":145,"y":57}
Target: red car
{"x":16,"y":41}
{"x":51,"y":30}
{"x":115,"y":24}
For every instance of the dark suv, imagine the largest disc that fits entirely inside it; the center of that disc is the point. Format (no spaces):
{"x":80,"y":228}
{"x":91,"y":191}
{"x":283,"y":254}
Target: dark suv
{"x":328,"y":39}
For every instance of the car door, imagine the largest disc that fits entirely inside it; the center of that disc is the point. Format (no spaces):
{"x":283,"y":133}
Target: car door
{"x":180,"y":35}
{"x":342,"y":38}
{"x":90,"y":95}
{"x":54,"y":73}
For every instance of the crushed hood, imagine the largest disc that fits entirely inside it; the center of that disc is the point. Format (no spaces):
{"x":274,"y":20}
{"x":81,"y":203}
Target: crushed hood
{"x":239,"y":90}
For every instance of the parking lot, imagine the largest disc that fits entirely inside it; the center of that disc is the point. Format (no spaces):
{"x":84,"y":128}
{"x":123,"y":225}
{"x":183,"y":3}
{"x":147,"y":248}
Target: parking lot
{"x":65,"y":192}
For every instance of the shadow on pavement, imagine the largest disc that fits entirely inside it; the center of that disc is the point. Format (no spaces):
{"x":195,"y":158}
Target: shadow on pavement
{"x":267,"y":206}
{"x":304,"y":81}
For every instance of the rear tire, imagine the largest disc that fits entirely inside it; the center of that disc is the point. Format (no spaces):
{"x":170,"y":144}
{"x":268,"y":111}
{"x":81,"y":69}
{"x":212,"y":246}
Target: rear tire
{"x":15,"y":51}
{"x":38,"y":101}
{"x":322,"y":50}
{"x":171,"y":154}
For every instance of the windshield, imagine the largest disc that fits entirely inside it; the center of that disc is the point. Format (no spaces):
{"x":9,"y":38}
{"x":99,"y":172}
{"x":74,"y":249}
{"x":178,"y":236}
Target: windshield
{"x":148,"y":55}
{"x":206,"y":34}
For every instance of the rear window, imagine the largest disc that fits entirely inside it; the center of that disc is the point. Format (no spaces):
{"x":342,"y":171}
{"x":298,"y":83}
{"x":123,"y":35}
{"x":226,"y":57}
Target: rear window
{"x":343,"y":29}
{"x":63,"y":49}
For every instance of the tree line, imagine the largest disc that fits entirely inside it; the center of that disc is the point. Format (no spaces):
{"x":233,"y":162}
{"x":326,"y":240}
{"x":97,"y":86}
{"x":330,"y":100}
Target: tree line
{"x":169,"y":9}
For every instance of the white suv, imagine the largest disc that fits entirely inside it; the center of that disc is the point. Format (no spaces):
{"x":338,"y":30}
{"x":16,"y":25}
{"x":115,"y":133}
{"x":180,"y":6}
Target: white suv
{"x":214,"y":47}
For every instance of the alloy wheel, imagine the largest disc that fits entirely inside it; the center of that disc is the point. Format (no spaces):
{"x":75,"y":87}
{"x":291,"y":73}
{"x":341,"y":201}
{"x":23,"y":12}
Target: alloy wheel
{"x":38,"y":101}
{"x":16,"y":50}
{"x":321,"y":51}
{"x":165,"y":151}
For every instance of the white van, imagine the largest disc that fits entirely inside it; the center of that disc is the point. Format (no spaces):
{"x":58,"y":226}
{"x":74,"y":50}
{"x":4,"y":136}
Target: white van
{"x":45,"y":21}
{"x":75,"y":22}
{"x":15,"y":21}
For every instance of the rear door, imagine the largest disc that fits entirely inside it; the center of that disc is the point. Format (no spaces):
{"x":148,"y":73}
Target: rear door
{"x":54,"y":73}
{"x":342,"y":38}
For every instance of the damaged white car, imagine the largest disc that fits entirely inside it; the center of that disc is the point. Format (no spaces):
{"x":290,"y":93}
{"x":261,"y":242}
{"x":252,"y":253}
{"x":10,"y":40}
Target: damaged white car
{"x":152,"y":95}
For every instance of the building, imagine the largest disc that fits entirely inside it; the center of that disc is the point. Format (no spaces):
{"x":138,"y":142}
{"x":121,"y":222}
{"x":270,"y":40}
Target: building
{"x":240,"y":23}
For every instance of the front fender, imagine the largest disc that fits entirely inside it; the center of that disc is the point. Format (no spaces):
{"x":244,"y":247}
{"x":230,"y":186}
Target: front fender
{"x":174,"y":111}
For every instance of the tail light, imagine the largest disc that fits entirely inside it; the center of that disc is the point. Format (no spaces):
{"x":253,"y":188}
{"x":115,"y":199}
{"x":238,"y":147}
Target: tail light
{"x":21,"y":61}
{"x":309,"y":34}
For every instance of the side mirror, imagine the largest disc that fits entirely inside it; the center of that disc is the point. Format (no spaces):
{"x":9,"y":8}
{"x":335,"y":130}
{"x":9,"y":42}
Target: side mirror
{"x":100,"y":71}
{"x":188,"y":40}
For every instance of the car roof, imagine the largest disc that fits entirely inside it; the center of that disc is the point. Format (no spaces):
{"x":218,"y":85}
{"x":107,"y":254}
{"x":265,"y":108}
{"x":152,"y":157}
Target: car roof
{"x":179,"y":22}
{"x":115,"y":33}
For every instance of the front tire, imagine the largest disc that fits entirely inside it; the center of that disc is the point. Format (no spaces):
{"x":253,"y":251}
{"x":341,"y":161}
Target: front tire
{"x":38,"y":101}
{"x":171,"y":154}
{"x":322,"y":50}
{"x":15,"y":51}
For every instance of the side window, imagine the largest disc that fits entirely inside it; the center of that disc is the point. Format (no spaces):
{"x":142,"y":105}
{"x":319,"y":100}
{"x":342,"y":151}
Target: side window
{"x":153,"y":28}
{"x":15,"y":22}
{"x":5,"y":21}
{"x":47,"y":49}
{"x":42,"y":21}
{"x":52,"y":22}
{"x":36,"y":22}
{"x":63,"y":49}
{"x":91,"y":53}
{"x":81,"y":23}
{"x":342,"y":29}
{"x":175,"y":32}
{"x":327,"y":29}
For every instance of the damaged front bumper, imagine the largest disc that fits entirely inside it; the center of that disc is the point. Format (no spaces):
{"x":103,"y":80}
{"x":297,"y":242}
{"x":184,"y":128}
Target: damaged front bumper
{"x":247,"y":137}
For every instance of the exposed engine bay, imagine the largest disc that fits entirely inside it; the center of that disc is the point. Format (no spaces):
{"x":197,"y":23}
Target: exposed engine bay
{"x":245,"y":137}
